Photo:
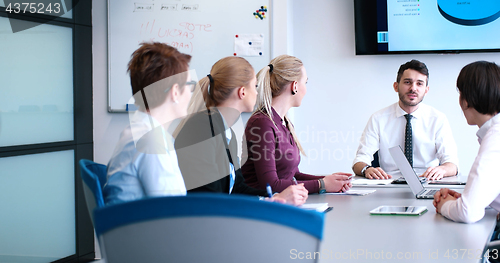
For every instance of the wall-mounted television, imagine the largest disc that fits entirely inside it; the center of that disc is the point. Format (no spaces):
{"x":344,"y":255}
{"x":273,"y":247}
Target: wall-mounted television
{"x":426,"y":26}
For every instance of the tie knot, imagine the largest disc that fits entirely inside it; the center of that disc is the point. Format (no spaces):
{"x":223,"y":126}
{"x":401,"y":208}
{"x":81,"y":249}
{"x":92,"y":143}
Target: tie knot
{"x":408,"y":116}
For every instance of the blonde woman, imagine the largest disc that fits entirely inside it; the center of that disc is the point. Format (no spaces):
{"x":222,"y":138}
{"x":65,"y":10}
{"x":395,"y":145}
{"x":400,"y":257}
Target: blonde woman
{"x":272,"y":145}
{"x":206,"y":144}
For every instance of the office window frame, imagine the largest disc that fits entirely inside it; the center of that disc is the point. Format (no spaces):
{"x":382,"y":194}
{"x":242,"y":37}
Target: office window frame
{"x":82,"y":143}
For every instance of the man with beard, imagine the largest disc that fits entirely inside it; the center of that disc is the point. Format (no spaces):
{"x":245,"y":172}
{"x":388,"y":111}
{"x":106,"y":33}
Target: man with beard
{"x":422,"y":132}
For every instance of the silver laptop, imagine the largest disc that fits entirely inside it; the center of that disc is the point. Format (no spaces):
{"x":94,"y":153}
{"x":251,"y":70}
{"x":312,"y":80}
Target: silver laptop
{"x":409,"y":174}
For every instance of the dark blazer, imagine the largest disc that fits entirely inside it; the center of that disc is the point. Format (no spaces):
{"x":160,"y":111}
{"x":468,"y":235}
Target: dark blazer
{"x":203,"y":155}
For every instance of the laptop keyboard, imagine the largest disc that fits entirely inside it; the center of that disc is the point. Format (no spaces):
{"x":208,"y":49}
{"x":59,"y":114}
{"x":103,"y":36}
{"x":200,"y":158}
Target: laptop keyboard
{"x":431,"y":192}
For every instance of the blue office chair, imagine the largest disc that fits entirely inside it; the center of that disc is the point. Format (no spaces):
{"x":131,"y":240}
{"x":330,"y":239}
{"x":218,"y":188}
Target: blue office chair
{"x":207,"y":228}
{"x":94,"y":177}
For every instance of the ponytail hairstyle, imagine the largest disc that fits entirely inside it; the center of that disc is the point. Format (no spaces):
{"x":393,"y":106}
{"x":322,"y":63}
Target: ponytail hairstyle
{"x":226,"y":75}
{"x":272,"y":81}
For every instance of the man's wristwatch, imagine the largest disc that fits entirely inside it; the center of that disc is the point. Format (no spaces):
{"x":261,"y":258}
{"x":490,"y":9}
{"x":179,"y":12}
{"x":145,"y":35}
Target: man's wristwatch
{"x":364,"y":169}
{"x":322,"y":188}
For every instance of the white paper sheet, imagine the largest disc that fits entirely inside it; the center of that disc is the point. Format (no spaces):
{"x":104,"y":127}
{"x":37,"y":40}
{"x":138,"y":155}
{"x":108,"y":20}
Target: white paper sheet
{"x":249,"y":45}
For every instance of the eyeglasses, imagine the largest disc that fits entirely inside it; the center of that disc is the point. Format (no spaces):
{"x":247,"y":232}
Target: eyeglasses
{"x":191,"y":85}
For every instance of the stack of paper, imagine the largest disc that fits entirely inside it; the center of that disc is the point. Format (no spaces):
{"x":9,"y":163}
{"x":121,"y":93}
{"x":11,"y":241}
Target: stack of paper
{"x":320,"y":207}
{"x":371,"y":182}
{"x":354,"y":192}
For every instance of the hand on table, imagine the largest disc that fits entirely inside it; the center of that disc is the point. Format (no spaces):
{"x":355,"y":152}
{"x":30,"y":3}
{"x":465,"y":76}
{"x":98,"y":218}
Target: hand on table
{"x":337,"y":182}
{"x":444,"y":195}
{"x":434,"y":173}
{"x":376,"y":173}
{"x":294,"y":194}
{"x":275,"y":199}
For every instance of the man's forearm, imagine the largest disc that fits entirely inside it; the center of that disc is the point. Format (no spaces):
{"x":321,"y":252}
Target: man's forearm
{"x":358,"y":167}
{"x":450,"y":168}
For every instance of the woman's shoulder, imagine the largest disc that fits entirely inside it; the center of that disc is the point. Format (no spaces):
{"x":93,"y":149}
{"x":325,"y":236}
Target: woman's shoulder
{"x":195,"y":129}
{"x":260,"y":119}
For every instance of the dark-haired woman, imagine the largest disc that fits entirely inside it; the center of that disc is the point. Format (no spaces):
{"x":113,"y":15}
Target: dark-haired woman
{"x":479,"y":87}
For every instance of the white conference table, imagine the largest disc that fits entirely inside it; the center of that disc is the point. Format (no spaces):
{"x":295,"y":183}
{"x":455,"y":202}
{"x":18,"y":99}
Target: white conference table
{"x":459,"y":178}
{"x":351,"y":234}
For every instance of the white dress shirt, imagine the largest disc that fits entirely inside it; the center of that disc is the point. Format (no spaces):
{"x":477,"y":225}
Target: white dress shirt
{"x":144,"y":163}
{"x":433,"y":142}
{"x":483,"y":185}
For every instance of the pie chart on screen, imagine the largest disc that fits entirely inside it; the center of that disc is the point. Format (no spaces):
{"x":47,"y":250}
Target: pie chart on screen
{"x":470,"y":12}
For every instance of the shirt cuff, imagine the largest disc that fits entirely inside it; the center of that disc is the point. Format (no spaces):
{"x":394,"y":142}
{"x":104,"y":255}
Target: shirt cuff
{"x":445,"y":209}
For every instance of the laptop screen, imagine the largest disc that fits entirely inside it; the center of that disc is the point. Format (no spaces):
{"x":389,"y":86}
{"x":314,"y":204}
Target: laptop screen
{"x":404,"y":166}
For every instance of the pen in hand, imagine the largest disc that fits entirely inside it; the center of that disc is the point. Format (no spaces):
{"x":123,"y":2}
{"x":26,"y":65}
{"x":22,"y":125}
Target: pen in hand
{"x":294,"y":181}
{"x":269,"y":191}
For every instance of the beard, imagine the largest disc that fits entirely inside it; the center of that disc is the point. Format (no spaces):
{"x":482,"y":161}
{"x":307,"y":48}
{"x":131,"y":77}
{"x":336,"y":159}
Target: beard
{"x":406,"y":102}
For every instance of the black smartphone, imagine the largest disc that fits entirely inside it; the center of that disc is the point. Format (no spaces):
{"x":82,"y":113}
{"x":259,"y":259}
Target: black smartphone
{"x":447,"y":182}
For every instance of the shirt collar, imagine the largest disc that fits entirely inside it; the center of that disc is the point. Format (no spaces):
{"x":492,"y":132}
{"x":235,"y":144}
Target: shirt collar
{"x":276,"y":117}
{"x":142,"y":123}
{"x":143,"y":118}
{"x":486,"y":126}
{"x":400,"y":112}
{"x":227,"y":131}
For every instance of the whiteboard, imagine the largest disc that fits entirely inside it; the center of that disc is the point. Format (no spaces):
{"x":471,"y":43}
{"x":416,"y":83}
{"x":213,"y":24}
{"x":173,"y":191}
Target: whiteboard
{"x":204,"y":29}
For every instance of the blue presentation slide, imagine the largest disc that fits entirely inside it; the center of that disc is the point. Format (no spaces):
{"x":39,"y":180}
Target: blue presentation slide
{"x":470,"y":13}
{"x":422,"y":25}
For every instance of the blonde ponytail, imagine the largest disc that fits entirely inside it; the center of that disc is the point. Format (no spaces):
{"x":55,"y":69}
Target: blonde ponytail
{"x":272,"y":81}
{"x":265,"y":94}
{"x":226,"y":75}
{"x":290,"y":127}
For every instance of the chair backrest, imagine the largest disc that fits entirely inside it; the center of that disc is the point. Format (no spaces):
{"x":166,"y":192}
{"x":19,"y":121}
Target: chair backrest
{"x":207,"y":228}
{"x":94,"y":177}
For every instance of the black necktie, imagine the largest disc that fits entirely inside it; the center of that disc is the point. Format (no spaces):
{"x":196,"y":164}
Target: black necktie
{"x":408,"y":140}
